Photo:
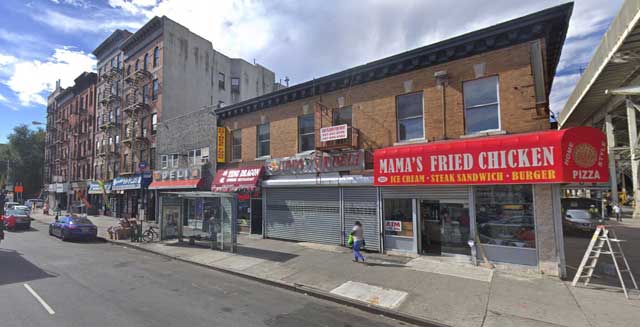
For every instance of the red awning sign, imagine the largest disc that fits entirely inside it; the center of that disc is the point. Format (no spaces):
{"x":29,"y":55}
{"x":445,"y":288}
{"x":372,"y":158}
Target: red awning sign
{"x":237,"y":179}
{"x":175,"y":184}
{"x":575,"y":155}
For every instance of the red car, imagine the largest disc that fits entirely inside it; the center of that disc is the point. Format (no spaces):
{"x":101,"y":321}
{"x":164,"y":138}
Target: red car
{"x":14,"y":219}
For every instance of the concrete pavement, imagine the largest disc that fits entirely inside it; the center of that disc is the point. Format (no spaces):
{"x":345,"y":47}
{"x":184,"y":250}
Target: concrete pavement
{"x":105,"y":284}
{"x":440,"y":290}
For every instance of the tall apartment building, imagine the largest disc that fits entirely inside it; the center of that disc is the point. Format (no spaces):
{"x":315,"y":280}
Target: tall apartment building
{"x":51,"y":146}
{"x":171,"y":73}
{"x":70,"y":134}
{"x":109,"y":111}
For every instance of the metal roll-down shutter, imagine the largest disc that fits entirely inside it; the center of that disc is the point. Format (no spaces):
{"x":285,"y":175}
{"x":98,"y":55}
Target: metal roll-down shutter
{"x":304,"y":214}
{"x":361,"y":204}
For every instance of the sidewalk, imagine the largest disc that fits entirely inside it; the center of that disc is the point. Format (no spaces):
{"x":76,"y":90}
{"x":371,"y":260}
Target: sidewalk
{"x":436,"y":289}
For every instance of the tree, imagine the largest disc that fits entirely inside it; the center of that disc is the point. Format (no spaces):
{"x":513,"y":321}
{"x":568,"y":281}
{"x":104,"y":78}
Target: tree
{"x":25,"y":153}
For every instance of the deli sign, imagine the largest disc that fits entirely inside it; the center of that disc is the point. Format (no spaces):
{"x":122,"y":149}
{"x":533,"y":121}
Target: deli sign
{"x":318,"y":162}
{"x":574,"y":155}
{"x":177,"y":174}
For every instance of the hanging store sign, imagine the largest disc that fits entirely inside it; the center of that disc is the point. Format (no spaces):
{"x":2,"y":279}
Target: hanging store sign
{"x":318,"y":162}
{"x":333,"y":133}
{"x":574,"y":155}
{"x":237,"y":179}
{"x":221,"y":145}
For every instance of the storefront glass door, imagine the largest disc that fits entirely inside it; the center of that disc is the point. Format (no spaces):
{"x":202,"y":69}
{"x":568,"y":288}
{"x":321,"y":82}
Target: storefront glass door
{"x":430,"y":234}
{"x":444,"y":227}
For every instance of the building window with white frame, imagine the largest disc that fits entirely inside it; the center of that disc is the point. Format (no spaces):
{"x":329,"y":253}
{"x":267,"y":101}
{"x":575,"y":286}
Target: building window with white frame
{"x":481,"y":105}
{"x":173,"y":158}
{"x":194,"y":157}
{"x":410,"y":116}
{"x":164,"y":161}
{"x":306,"y":133}
{"x":154,"y":123}
{"x":236,"y":144}
{"x":264,"y":140}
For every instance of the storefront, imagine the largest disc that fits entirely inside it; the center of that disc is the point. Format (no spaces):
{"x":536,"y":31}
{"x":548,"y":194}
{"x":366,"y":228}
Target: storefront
{"x":244,"y":182}
{"x":168,"y":181}
{"x":318,"y":197}
{"x":131,"y":191}
{"x":494,"y":195}
{"x":99,"y":196}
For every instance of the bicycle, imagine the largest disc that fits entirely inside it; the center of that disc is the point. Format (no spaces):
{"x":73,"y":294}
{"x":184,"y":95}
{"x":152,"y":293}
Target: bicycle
{"x":150,"y":235}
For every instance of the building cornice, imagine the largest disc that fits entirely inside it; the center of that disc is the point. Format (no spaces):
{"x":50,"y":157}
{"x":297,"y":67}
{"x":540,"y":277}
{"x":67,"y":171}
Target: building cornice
{"x":151,"y":26}
{"x":550,"y":24}
{"x":111,"y":42}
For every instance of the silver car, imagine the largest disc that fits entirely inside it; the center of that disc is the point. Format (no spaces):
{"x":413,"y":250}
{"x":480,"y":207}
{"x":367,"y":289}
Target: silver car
{"x":579,"y":220}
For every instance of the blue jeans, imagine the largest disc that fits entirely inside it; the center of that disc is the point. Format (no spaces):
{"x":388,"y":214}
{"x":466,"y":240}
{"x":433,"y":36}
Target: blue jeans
{"x":356,"y":250}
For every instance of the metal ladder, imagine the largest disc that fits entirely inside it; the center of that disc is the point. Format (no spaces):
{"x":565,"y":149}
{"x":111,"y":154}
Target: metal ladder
{"x":591,"y":256}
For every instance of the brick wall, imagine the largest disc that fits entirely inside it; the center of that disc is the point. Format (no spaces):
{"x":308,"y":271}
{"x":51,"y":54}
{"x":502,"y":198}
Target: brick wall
{"x":374,"y":104}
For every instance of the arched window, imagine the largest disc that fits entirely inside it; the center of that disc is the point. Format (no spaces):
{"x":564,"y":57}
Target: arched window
{"x":137,"y":64}
{"x":146,"y":61}
{"x":156,"y":56}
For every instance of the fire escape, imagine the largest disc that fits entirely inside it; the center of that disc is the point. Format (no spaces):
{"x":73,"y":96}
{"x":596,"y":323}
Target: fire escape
{"x":108,"y":120}
{"x":351,"y":141}
{"x":136,"y":106}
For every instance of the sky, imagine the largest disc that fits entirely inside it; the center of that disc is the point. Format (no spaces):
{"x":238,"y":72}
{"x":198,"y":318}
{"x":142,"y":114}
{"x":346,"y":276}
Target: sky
{"x":42,"y":41}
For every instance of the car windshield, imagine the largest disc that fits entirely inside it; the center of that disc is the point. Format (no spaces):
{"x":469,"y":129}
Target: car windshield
{"x":16,"y":212}
{"x":21,"y":207}
{"x":579,"y":214}
{"x":81,"y":221}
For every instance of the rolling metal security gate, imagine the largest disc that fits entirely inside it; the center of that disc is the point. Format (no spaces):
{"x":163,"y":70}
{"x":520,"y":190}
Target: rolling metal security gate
{"x":361,"y":204}
{"x":304,"y":214}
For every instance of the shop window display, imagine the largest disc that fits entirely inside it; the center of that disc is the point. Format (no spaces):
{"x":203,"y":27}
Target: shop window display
{"x":244,"y":218}
{"x":398,"y":217}
{"x":504,"y":215}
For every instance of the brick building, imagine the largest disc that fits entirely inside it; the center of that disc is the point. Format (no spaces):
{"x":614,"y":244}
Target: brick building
{"x":108,"y":122}
{"x":319,"y":180}
{"x":69,"y":141}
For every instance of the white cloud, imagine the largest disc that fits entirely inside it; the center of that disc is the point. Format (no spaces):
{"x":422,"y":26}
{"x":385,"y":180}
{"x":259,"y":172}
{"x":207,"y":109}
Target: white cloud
{"x":133,"y":6}
{"x":75,"y":3}
{"x":70,"y":24}
{"x":3,"y":99}
{"x":30,"y":80}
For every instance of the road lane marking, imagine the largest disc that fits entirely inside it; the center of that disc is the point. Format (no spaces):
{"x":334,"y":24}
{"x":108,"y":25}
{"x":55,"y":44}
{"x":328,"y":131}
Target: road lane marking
{"x":44,"y":304}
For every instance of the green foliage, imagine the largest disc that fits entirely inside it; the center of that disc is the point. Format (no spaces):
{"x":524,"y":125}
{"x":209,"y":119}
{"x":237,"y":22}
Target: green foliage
{"x":25,"y":152}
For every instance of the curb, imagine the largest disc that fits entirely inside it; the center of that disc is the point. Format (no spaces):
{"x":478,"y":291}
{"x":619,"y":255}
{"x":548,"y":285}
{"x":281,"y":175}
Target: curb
{"x":298,"y":288}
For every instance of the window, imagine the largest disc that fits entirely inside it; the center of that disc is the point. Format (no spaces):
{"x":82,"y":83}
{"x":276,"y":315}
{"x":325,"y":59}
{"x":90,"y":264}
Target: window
{"x":221,"y":81}
{"x":306,"y":133}
{"x":113,"y":62}
{"x":118,"y":61}
{"x":342,"y":116}
{"x":173,"y":160}
{"x":145,"y":63}
{"x":481,"y":106}
{"x":195,"y":157}
{"x":164,"y":161}
{"x":156,"y":56}
{"x":236,"y":144}
{"x":143,"y":154}
{"x":504,"y":215}
{"x":137,"y":65}
{"x":154,"y":123}
{"x":143,"y":124}
{"x":235,"y":84}
{"x":145,"y":90}
{"x":410,"y":121}
{"x":264,"y":144}
{"x":117,"y":142}
{"x":152,"y":158}
{"x":398,"y":213}
{"x":154,"y":90}
{"x":204,"y":158}
{"x":128,"y":69}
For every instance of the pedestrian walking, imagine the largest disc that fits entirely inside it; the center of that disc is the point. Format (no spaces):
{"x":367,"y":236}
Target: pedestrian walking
{"x":618,"y":211}
{"x":358,"y":241}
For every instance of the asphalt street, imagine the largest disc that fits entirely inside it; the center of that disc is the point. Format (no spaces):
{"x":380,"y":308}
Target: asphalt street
{"x":47,"y":282}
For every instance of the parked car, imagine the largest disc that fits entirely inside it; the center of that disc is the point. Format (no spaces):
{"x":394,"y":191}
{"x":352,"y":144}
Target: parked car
{"x":579,"y":220}
{"x":15,"y":218}
{"x":25,"y":208}
{"x":38,"y":202}
{"x":73,"y":227}
{"x":10,"y":205}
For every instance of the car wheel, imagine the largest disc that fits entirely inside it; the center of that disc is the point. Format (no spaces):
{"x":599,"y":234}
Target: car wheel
{"x":50,"y":231}
{"x":64,"y":235}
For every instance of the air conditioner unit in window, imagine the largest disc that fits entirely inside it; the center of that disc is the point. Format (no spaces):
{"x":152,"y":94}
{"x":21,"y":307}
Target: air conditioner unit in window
{"x":204,"y":160}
